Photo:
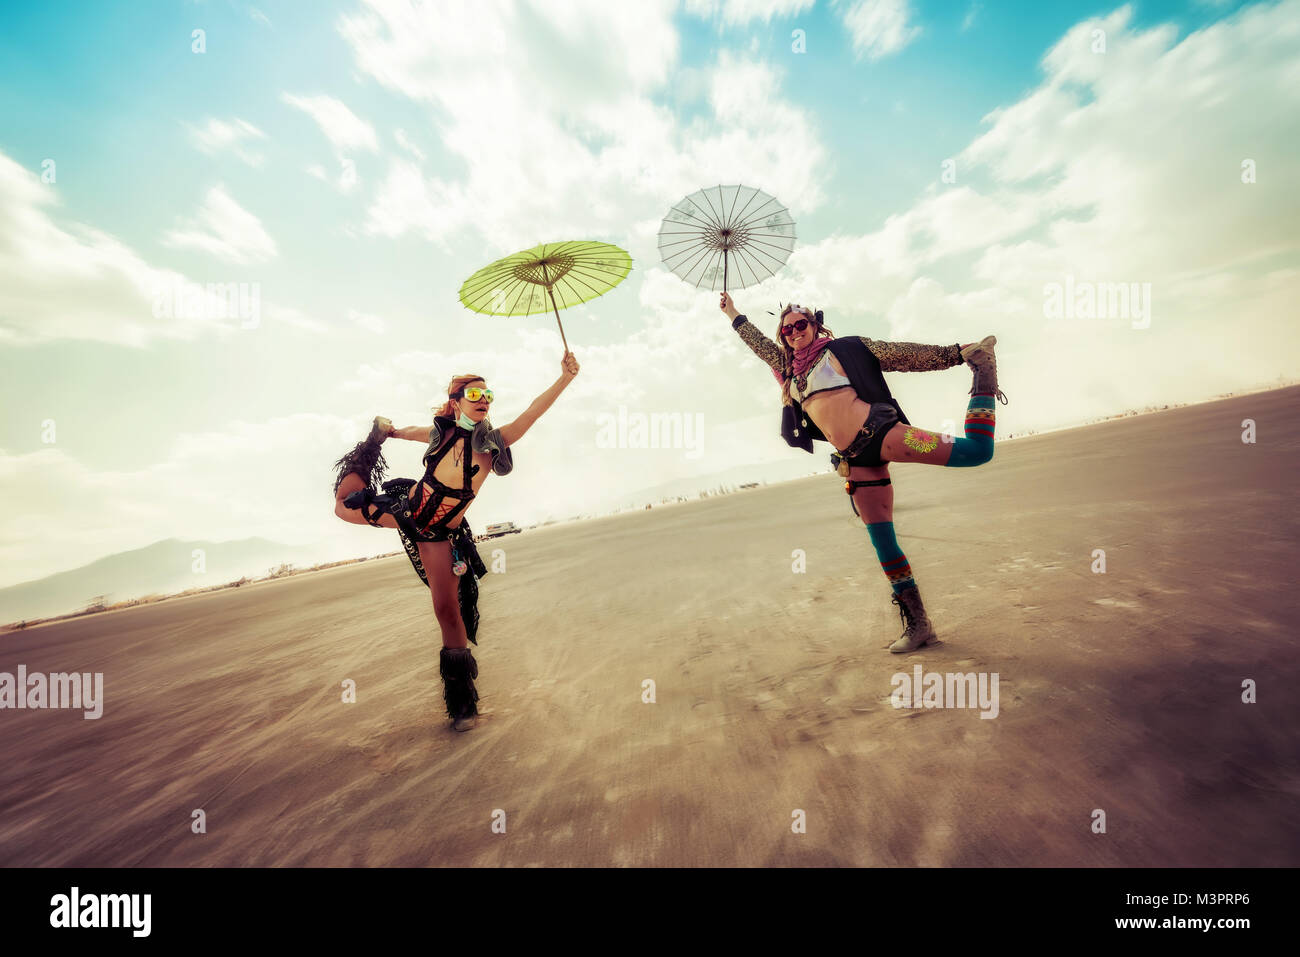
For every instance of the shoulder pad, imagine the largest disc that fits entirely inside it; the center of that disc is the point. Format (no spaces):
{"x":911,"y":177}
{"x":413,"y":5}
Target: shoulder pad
{"x":490,"y":441}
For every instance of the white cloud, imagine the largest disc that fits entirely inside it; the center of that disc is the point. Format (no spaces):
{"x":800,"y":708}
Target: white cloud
{"x":225,"y":230}
{"x":343,"y":128}
{"x":219,"y":136}
{"x":405,"y":143}
{"x":541,"y":159}
{"x":73,"y":281}
{"x":1081,"y":145}
{"x":740,"y":12}
{"x":879,"y":27}
{"x":344,"y":182}
{"x":370,"y":323}
{"x":576,"y":150}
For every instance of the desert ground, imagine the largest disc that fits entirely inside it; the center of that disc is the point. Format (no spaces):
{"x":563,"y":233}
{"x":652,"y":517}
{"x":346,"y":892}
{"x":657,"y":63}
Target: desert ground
{"x":1119,"y":691}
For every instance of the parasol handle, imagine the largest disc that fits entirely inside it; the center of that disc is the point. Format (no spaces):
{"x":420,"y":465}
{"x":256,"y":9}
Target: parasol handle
{"x":557,"y":318}
{"x":547,"y":276}
{"x":724,"y":268}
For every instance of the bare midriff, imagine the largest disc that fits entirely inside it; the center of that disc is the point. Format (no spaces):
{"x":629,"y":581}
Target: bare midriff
{"x":839,"y":413}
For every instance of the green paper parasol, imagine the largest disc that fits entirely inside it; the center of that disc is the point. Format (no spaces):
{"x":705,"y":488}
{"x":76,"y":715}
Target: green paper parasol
{"x":546,"y":278}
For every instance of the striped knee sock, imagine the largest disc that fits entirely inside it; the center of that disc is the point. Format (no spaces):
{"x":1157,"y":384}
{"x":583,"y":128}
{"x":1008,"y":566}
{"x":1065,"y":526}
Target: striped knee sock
{"x":892,"y":559}
{"x":977,"y":447}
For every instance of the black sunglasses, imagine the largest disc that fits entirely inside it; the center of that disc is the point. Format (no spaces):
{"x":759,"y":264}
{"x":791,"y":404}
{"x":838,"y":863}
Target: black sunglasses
{"x":798,"y":326}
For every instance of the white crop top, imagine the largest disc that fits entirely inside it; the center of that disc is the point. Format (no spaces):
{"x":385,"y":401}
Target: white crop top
{"x":821,"y":377}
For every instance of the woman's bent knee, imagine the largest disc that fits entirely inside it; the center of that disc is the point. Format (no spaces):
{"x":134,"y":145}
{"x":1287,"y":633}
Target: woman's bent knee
{"x":967,"y":453}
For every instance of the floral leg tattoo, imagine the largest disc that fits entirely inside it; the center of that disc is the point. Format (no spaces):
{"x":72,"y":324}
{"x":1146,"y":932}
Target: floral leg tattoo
{"x":919,"y":440}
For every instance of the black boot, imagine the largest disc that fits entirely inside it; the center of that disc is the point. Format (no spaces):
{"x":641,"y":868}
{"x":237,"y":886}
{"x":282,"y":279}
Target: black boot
{"x":459,"y":669}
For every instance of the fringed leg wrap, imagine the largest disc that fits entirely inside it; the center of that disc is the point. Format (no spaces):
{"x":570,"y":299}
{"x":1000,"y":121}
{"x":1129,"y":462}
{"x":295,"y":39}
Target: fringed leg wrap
{"x":365,"y":460}
{"x":459,"y":669}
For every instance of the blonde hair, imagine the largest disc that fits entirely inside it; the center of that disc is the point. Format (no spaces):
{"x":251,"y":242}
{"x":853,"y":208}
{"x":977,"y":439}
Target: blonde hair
{"x":787,"y":354}
{"x":457,"y":383}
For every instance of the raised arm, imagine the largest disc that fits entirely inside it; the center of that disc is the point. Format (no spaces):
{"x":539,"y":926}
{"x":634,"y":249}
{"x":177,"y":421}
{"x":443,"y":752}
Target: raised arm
{"x":416,"y":433}
{"x":383,"y":429}
{"x":913,"y":356}
{"x":762,"y":346}
{"x":512,"y":433}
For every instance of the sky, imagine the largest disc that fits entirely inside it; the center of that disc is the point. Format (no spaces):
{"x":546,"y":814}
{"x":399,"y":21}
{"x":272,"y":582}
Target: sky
{"x":953,"y":169}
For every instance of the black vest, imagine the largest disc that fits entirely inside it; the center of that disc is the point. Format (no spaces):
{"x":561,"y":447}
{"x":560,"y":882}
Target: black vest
{"x":863,"y":370}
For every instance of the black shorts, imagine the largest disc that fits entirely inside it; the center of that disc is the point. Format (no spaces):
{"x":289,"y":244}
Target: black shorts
{"x":869,"y":456}
{"x":866,"y":451}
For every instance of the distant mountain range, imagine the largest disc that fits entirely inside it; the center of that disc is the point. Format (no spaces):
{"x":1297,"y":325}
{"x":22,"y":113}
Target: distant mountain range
{"x":161,"y":568}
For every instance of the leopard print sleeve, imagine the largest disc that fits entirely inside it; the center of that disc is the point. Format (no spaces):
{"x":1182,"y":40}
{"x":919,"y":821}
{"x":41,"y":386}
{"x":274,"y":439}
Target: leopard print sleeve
{"x":913,"y":356}
{"x":763,"y":347}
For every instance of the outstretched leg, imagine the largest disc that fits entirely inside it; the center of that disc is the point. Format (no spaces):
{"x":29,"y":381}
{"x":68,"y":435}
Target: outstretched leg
{"x":907,"y":443}
{"x":361,"y":469}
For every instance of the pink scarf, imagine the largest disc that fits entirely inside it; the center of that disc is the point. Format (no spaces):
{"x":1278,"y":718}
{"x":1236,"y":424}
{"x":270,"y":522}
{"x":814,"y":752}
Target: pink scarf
{"x":804,"y":358}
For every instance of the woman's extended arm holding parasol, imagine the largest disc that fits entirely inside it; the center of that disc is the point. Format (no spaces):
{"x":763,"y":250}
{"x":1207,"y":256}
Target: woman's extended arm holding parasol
{"x":514,"y":431}
{"x":763,"y":347}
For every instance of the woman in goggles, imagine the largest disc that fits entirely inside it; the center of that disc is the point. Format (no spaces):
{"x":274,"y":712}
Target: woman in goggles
{"x":833,"y":389}
{"x":429,"y":514}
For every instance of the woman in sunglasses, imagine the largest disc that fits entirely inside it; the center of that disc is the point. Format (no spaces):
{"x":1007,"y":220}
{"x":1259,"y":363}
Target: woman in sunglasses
{"x":833,"y":390}
{"x":429,"y":515}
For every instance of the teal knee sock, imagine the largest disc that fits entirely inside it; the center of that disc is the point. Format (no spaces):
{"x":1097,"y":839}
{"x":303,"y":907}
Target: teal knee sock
{"x":977,"y":447}
{"x":892,"y":559}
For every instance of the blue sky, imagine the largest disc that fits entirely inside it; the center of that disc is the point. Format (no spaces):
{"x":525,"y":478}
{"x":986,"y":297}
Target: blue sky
{"x":358,"y":162}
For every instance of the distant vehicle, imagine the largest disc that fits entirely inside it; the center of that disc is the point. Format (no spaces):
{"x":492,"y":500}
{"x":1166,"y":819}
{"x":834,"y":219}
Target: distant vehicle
{"x":499,"y":529}
{"x":750,"y":485}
